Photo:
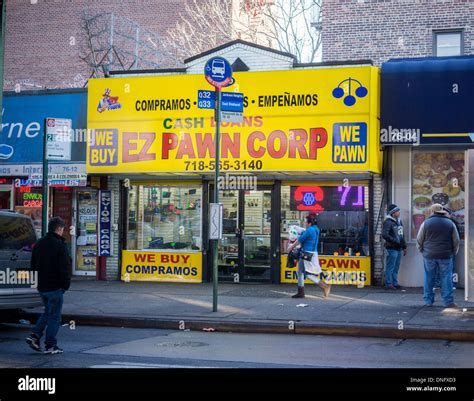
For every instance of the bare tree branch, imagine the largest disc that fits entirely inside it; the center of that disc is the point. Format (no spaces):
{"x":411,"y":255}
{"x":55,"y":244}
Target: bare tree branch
{"x":287,"y":25}
{"x":107,"y":46}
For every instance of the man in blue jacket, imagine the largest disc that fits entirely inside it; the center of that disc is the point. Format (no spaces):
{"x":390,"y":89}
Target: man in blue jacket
{"x":395,"y":245}
{"x":438,"y":240}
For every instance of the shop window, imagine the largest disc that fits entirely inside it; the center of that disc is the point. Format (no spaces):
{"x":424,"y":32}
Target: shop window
{"x":448,"y":43}
{"x":342,"y":215}
{"x":29,"y":201}
{"x":132,"y":242}
{"x":437,"y":177}
{"x":164,"y":217}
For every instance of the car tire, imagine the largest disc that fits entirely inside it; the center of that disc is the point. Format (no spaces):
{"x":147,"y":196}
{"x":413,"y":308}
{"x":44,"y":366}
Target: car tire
{"x":10,"y":315}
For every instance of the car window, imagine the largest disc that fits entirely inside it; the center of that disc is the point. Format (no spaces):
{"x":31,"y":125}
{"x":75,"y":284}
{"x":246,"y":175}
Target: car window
{"x":16,"y":233}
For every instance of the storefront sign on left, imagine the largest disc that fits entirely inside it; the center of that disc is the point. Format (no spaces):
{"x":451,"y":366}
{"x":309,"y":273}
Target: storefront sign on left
{"x":21,"y":139}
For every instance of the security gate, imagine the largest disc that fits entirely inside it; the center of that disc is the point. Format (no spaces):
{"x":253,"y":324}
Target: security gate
{"x":469,"y":240}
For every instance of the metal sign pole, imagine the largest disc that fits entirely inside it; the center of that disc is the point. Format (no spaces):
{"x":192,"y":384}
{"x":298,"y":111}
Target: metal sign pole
{"x":218,"y":73}
{"x":44,"y":208}
{"x":216,"y":196}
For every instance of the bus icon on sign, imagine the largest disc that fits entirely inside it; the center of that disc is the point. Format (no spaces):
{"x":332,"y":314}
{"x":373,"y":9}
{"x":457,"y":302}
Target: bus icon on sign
{"x":218,"y":72}
{"x":218,"y":68}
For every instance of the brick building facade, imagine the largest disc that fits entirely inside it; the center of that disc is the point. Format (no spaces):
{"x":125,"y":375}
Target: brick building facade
{"x":380,"y":30}
{"x":43,"y":38}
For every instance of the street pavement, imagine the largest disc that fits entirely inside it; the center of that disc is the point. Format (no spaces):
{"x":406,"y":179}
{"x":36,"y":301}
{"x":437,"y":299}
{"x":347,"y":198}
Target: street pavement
{"x":368,"y":311}
{"x":113,"y":347}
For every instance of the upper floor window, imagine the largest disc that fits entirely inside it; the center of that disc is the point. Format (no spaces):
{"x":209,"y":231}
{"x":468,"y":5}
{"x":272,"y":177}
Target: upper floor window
{"x":448,"y":43}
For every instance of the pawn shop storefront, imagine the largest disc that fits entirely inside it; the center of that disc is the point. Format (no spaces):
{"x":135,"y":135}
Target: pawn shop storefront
{"x":308,"y":142}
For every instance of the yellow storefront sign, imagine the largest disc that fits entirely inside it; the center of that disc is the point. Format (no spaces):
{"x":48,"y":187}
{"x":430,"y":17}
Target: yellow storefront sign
{"x":299,"y":120}
{"x":162,"y":266}
{"x":336,"y":270}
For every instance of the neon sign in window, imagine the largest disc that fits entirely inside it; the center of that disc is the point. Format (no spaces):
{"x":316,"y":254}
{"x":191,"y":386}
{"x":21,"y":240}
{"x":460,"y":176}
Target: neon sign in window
{"x":324,"y":198}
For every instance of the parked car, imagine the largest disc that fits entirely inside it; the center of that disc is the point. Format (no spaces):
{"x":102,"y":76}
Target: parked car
{"x":17,"y":283}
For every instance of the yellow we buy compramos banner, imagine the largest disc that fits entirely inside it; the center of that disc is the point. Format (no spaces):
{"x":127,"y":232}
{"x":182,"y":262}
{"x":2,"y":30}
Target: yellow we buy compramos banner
{"x":162,"y":266}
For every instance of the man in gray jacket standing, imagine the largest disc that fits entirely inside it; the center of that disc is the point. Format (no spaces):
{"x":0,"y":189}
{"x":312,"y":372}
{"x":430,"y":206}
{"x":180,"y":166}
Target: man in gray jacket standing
{"x":438,"y":241}
{"x":395,"y":244}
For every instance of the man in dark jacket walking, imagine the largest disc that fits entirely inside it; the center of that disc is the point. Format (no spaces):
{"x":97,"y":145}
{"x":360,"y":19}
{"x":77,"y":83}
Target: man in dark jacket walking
{"x":438,"y":240}
{"x":395,"y":244}
{"x":50,"y":258}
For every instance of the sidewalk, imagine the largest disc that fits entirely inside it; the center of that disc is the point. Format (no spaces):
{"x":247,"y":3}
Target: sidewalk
{"x":266,"y":308}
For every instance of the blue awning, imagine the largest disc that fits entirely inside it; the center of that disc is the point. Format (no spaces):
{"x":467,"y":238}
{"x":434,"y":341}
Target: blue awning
{"x":434,"y":95}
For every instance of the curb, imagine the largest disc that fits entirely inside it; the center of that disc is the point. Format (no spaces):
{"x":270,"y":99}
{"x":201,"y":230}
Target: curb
{"x":419,"y":332}
{"x":266,"y":327}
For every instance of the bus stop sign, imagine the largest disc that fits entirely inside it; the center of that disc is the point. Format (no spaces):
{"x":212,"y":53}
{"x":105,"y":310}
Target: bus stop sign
{"x":218,"y":72}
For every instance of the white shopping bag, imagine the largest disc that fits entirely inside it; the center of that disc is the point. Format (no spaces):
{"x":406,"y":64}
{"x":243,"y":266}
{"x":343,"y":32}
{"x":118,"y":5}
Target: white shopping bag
{"x":294,"y":232}
{"x":313,"y":266}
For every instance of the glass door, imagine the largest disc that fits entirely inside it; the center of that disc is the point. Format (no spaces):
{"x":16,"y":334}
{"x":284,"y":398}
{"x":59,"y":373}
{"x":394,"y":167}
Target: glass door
{"x":245,"y":251}
{"x":256,"y":234}
{"x":85,"y":258}
{"x":228,"y":253}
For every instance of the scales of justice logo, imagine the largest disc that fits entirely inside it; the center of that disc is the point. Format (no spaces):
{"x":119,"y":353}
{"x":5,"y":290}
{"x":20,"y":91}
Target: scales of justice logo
{"x":346,"y":89}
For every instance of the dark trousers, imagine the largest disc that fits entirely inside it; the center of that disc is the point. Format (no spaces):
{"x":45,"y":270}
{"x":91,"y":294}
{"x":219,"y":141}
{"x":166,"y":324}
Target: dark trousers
{"x":51,"y":317}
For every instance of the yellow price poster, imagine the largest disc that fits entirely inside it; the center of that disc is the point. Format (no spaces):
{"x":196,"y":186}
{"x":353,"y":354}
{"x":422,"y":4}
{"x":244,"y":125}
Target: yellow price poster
{"x":336,"y":270}
{"x":298,"y":120}
{"x":92,"y":227}
{"x":162,"y":266}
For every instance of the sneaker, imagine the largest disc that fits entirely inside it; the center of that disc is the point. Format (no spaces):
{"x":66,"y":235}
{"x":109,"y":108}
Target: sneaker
{"x":398,"y":287}
{"x":390,"y":287}
{"x":451,"y":306}
{"x":34,"y":342}
{"x":53,"y":350}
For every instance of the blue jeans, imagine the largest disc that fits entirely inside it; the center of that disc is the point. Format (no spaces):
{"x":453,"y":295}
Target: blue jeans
{"x":51,"y":317}
{"x":438,"y":275}
{"x":392,"y":266}
{"x":445,"y":267}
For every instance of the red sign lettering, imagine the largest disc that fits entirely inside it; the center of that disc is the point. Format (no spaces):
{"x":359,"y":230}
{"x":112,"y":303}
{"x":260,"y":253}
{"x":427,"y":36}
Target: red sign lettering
{"x":257,"y":153}
{"x":130,"y":145}
{"x":339,"y":263}
{"x":170,"y":141}
{"x":318,"y":140}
